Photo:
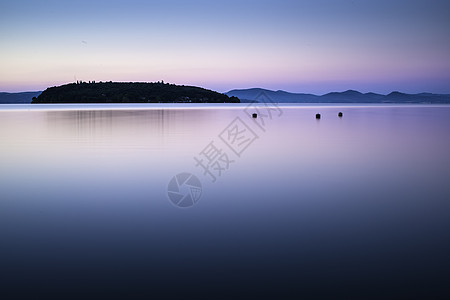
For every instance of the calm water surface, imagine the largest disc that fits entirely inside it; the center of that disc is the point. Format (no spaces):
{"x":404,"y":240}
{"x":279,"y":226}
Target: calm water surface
{"x":357,"y":206}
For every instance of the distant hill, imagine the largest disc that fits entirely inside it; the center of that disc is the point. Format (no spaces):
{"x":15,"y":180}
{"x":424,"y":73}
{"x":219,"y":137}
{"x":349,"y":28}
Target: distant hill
{"x":121,"y":92}
{"x":350,"y":96}
{"x":18,"y":98}
{"x":248,"y":95}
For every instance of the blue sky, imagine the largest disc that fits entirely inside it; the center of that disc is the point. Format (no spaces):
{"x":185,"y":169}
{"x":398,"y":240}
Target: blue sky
{"x":300,"y":46}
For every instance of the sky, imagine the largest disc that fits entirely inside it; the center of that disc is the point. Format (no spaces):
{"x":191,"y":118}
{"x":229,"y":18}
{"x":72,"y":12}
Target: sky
{"x":312,"y":46}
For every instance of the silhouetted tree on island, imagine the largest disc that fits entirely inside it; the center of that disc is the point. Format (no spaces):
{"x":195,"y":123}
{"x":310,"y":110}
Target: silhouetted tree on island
{"x":113,"y":92}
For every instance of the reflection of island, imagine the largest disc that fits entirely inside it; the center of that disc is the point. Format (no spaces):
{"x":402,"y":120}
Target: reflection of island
{"x":114,"y":92}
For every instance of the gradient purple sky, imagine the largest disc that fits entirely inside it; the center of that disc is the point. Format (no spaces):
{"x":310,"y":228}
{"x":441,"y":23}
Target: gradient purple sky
{"x":313,"y":46}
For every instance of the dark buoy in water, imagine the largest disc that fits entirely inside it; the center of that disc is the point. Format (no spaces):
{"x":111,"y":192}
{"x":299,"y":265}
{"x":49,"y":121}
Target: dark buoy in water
{"x":340,"y":114}
{"x":317,"y":116}
{"x":255,"y":116}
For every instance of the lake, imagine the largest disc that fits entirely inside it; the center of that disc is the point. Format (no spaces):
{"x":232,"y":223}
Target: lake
{"x":205,"y":200}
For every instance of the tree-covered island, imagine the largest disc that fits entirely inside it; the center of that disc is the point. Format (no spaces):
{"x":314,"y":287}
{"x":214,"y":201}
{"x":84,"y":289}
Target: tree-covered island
{"x":132,"y":92}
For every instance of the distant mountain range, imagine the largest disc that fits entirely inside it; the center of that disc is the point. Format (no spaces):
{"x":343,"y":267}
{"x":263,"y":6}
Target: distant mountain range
{"x":18,"y":98}
{"x":350,"y":96}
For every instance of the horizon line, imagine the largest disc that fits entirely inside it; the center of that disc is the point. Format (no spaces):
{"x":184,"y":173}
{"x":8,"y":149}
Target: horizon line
{"x":234,"y":89}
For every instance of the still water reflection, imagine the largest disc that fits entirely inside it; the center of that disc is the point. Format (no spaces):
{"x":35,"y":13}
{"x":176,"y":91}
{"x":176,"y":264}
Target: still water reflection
{"x":353,"y":206}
